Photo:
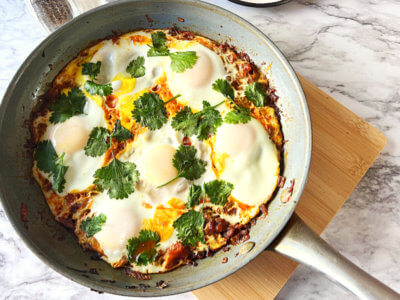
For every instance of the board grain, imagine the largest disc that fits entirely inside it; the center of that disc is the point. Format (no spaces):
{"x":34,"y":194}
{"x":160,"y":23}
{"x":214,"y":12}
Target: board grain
{"x":344,"y":147}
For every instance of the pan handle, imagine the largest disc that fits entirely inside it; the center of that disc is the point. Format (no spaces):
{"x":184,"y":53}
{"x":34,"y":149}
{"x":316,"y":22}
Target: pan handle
{"x":300,"y":243}
{"x":54,"y":13}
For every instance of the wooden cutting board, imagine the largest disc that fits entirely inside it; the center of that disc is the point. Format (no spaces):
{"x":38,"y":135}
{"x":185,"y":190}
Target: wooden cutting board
{"x":344,"y":147}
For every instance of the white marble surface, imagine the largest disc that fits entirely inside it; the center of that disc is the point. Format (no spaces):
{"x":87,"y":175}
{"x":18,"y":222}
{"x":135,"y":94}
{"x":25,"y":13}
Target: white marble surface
{"x":351,"y":49}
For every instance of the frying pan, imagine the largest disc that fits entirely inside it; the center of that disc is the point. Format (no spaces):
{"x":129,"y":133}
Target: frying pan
{"x":281,"y":231}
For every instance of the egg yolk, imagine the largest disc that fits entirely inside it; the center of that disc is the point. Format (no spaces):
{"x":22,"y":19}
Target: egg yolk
{"x":234,"y":139}
{"x":157,"y":164}
{"x":201,"y":73}
{"x":70,"y":136}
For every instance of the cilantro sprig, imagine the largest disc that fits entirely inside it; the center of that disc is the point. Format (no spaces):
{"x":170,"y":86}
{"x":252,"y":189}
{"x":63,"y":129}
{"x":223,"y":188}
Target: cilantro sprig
{"x":93,"y":225}
{"x":189,"y":227}
{"x":239,"y":114}
{"x":195,"y":193}
{"x":136,"y":67}
{"x":180,"y":60}
{"x":99,"y":139}
{"x":159,"y":47}
{"x":218,"y":191}
{"x":187,"y":165}
{"x":67,"y":105}
{"x":256,"y":93}
{"x":94,"y":88}
{"x":118,"y":177}
{"x":202,"y":124}
{"x":133,"y":246}
{"x":150,"y":110}
{"x":91,"y":69}
{"x":49,"y":162}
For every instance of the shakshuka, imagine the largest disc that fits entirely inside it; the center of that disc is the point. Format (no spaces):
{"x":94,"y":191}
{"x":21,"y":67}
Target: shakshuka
{"x":157,"y":147}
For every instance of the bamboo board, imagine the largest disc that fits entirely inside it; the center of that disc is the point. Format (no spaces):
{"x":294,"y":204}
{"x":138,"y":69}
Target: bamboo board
{"x":344,"y":147}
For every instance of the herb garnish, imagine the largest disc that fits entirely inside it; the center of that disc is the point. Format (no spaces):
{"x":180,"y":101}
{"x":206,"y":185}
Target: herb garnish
{"x":150,"y":110}
{"x":148,"y":256}
{"x":203,"y":123}
{"x":118,"y":177}
{"x":190,"y":227}
{"x":93,"y":225}
{"x":136,"y":67}
{"x":48,"y":161}
{"x":255,"y":92}
{"x":223,"y":86}
{"x":91,"y":69}
{"x":67,"y":105}
{"x":218,"y":191}
{"x":195,"y":192}
{"x":98,"y":89}
{"x":98,"y":141}
{"x":180,"y":60}
{"x":159,"y":47}
{"x":239,"y":114}
{"x":187,"y":164}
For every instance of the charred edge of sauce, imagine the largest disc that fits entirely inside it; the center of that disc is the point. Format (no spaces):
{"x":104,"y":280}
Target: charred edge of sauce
{"x":137,"y":275}
{"x":98,"y":292}
{"x":162,"y":284}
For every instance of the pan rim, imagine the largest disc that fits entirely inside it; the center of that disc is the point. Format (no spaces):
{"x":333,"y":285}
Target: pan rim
{"x":60,"y":268}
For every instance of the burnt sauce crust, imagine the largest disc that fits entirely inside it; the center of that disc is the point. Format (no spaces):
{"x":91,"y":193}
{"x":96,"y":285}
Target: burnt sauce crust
{"x":71,"y":209}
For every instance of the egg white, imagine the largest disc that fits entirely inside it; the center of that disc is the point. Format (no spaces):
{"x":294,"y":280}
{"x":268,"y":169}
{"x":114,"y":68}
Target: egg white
{"x":81,"y":167}
{"x":251,"y":161}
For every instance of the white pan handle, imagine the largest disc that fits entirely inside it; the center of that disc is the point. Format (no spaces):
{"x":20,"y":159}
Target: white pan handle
{"x":54,"y":13}
{"x":300,"y":243}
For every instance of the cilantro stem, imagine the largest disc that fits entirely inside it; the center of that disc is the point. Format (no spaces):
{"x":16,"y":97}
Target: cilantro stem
{"x":169,"y":181}
{"x":216,"y":105}
{"x":173,"y":98}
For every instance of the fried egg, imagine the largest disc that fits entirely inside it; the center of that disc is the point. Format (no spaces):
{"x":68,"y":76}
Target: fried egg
{"x":251,"y":161}
{"x":70,"y":137}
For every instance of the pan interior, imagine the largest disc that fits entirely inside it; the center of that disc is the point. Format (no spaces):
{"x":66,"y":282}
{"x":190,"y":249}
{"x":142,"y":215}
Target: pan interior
{"x":53,"y":243}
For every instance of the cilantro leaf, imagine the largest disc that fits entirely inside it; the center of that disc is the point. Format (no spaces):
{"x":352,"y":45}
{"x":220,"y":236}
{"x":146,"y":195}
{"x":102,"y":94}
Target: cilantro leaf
{"x":136,"y":67}
{"x":98,"y":89}
{"x":187,"y":164}
{"x":239,"y":114}
{"x":223,"y":86}
{"x":190,"y":227}
{"x":186,"y":121}
{"x":98,"y":142}
{"x":45,"y":156}
{"x":159,"y":47}
{"x":146,"y":257}
{"x":203,"y":123}
{"x":218,"y":191}
{"x":180,"y":61}
{"x":93,"y":225}
{"x":48,"y":161}
{"x":118,"y":177}
{"x":91,"y":69}
{"x":120,"y":132}
{"x":255,"y":92}
{"x":209,"y":121}
{"x":67,"y":106}
{"x":195,"y":192}
{"x":149,"y":111}
{"x":59,"y":174}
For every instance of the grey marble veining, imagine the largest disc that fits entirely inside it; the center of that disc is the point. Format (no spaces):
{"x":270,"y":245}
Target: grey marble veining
{"x":350,"y":49}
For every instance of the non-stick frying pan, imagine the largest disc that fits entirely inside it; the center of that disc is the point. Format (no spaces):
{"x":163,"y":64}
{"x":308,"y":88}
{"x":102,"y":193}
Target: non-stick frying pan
{"x":280,"y":231}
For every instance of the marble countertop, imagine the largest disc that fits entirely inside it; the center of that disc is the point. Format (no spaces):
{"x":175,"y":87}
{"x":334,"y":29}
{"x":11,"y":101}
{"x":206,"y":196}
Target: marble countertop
{"x":351,"y":50}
